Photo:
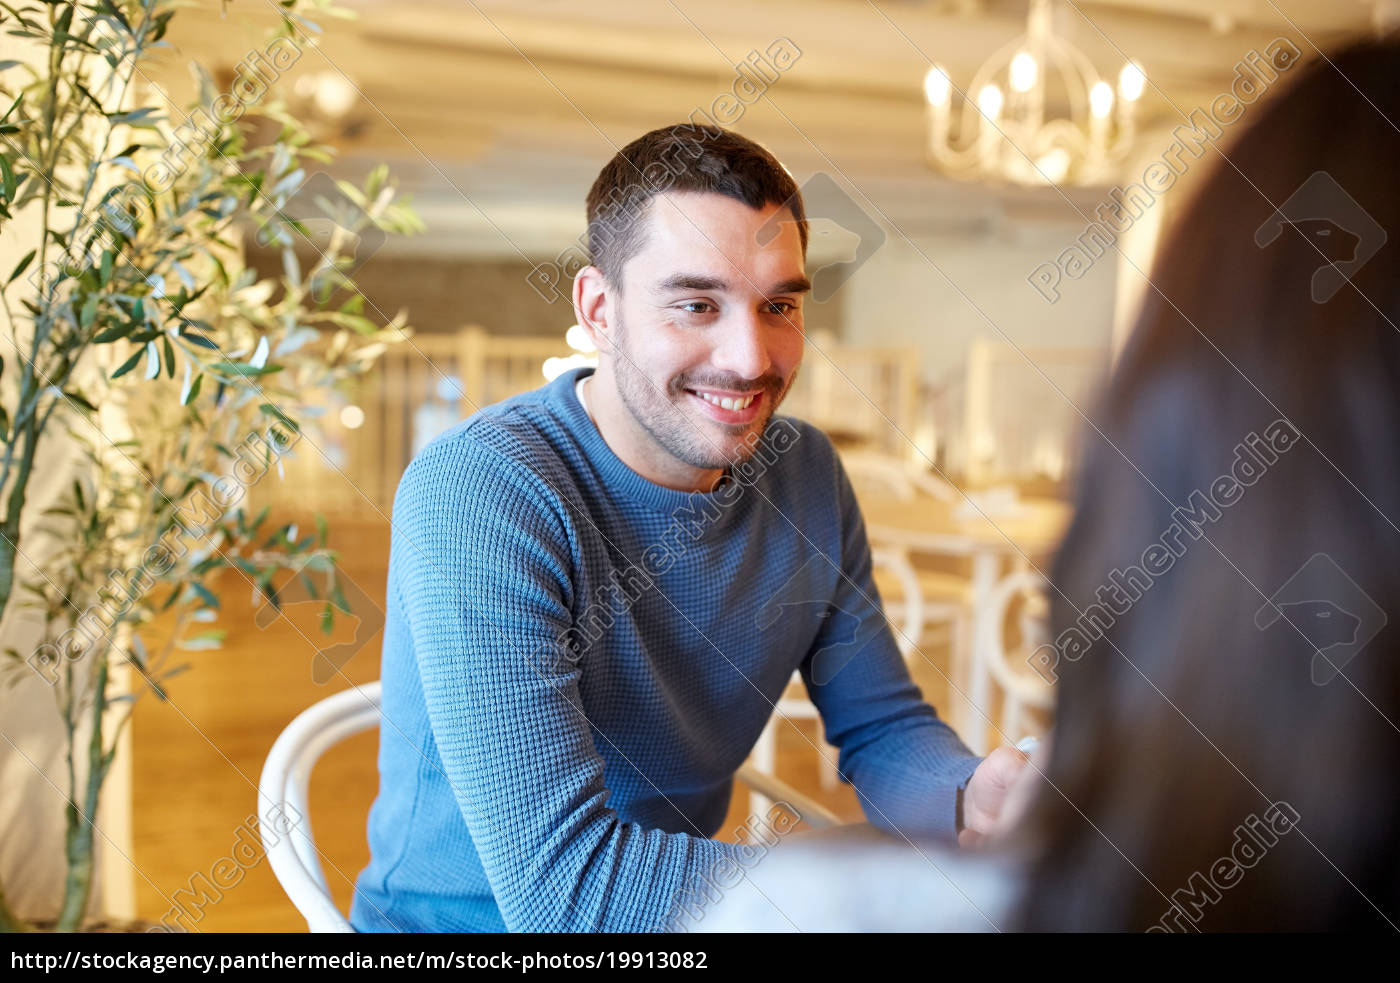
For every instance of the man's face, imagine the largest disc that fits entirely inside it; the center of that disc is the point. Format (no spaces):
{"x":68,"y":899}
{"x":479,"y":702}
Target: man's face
{"x":707,"y":315}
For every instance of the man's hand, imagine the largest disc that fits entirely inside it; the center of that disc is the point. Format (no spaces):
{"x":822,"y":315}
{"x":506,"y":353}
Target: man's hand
{"x":985,"y":797}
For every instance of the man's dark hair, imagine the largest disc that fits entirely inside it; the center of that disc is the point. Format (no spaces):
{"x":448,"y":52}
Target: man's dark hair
{"x":680,"y":157}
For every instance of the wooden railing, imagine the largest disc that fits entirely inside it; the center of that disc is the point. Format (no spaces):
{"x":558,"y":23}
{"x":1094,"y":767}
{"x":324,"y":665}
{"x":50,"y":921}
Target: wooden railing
{"x":863,"y":395}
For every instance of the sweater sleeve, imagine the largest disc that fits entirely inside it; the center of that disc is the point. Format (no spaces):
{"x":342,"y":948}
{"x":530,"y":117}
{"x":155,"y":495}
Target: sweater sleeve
{"x":905,"y":764}
{"x":484,"y":573}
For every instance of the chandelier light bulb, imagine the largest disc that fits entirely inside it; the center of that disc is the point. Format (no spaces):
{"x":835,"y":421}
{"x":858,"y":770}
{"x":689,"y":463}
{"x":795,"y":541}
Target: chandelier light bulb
{"x":989,"y":101}
{"x":1023,"y":72}
{"x":1131,"y":82}
{"x":1037,"y":111}
{"x":936,"y":86}
{"x":1101,"y":99}
{"x":1054,"y":166}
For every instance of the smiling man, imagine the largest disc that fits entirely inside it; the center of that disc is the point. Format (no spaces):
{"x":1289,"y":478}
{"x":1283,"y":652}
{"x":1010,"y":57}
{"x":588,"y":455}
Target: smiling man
{"x":598,"y":590}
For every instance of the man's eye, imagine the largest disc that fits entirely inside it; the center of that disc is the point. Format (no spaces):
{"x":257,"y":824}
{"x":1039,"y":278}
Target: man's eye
{"x":690,"y":306}
{"x":780,"y":307}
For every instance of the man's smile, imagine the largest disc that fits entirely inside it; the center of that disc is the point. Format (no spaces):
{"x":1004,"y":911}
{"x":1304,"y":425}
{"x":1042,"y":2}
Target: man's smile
{"x":728,"y":406}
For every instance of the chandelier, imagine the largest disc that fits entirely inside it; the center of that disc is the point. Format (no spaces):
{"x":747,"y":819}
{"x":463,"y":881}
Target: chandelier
{"x":1004,"y":135}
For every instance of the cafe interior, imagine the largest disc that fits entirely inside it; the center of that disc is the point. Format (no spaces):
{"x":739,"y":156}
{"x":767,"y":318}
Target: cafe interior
{"x":987,"y":185}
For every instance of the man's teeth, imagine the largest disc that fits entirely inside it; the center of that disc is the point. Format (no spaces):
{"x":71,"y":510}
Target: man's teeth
{"x":725,"y":402}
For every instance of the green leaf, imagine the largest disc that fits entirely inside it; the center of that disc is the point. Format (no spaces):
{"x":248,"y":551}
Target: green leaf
{"x":169,"y":357}
{"x":338,"y":598}
{"x":145,"y":116}
{"x":170,"y":601}
{"x":65,"y":20}
{"x":320,"y":561}
{"x":129,"y":364}
{"x":7,"y":179}
{"x":21,"y":266}
{"x":356,"y":322}
{"x":77,"y":398}
{"x":193,"y":392}
{"x":115,"y":333}
{"x":206,"y":595}
{"x":243,"y":368}
{"x":152,"y":359}
{"x":328,"y":619}
{"x":211,"y":639}
{"x":245,"y":565}
{"x":186,"y":277}
{"x":287,"y":421}
{"x":206,"y":564}
{"x":96,"y":103}
{"x":200,"y":340}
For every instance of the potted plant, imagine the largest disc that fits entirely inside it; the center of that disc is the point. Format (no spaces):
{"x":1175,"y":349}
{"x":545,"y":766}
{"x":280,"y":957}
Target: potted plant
{"x":138,"y":333}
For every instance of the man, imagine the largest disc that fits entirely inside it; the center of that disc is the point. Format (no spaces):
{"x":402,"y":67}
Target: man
{"x":599,"y":590}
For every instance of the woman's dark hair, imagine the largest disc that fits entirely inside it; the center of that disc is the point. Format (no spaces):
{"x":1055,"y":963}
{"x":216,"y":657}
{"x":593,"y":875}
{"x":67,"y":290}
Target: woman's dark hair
{"x":1227,"y":744}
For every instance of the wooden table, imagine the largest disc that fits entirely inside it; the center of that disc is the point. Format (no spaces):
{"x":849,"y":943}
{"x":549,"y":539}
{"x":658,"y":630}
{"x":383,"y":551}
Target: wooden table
{"x":1031,"y":529}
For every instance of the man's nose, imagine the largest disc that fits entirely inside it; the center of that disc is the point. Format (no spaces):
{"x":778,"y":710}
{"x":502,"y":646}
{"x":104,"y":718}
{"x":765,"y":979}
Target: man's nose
{"x":743,"y":348}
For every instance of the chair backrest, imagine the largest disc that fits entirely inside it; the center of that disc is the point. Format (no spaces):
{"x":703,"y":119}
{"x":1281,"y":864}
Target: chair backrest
{"x":910,"y":606}
{"x":1022,"y":687}
{"x":285,"y":778}
{"x":286,"y":775}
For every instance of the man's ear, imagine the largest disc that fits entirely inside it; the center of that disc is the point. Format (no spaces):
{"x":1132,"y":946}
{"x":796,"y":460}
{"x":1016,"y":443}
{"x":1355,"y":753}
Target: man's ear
{"x":591,"y":292}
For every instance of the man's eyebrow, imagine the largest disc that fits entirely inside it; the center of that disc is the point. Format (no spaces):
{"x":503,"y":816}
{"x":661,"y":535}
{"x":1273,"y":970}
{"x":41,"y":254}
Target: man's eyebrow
{"x":692,"y":281}
{"x":797,"y":285}
{"x":699,"y":281}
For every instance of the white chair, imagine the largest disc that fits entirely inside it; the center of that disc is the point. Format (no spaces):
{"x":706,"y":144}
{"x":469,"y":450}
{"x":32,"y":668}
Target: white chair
{"x":287,"y":773}
{"x":1022,"y":688}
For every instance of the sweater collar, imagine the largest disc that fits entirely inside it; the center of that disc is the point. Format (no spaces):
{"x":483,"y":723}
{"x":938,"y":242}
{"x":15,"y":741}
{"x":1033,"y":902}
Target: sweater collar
{"x":617,"y":476}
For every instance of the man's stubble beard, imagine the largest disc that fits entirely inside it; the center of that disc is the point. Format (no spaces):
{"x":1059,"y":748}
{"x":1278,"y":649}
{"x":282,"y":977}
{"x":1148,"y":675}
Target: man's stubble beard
{"x":659,"y":413}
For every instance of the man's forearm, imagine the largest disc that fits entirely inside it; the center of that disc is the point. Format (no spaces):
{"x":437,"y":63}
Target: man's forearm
{"x":909,"y":775}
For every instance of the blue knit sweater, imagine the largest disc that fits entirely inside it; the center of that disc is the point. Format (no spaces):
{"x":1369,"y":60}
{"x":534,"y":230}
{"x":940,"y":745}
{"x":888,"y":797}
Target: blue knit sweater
{"x":576,"y":661}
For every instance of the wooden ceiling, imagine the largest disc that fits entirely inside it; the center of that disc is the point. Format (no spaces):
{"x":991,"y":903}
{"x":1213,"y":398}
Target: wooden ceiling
{"x":497,"y":114}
